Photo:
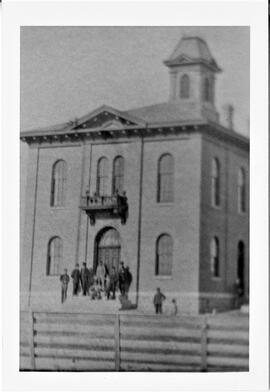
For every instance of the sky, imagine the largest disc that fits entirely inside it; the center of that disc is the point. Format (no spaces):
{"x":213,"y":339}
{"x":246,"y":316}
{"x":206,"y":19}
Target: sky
{"x":67,"y":72}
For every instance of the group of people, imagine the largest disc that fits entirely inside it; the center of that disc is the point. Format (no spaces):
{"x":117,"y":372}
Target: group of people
{"x":158,"y":300}
{"x":92,"y":283}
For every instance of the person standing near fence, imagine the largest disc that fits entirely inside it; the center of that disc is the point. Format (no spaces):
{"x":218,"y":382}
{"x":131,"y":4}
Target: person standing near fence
{"x":64,"y":279}
{"x":122,"y":278}
{"x":76,"y":276}
{"x":158,"y":300}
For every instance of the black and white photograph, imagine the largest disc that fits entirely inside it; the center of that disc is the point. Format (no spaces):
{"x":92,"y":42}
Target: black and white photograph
{"x":135,"y":248}
{"x":135,"y":206}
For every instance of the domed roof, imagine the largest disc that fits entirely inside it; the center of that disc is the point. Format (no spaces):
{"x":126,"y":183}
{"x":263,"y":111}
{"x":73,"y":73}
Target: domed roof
{"x":192,"y":50}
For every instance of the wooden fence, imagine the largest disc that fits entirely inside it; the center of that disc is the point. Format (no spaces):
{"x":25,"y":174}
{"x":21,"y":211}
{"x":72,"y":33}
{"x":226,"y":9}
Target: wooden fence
{"x":95,"y":342}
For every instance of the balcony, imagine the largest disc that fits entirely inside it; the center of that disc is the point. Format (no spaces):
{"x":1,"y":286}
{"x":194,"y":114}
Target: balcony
{"x":115,"y":206}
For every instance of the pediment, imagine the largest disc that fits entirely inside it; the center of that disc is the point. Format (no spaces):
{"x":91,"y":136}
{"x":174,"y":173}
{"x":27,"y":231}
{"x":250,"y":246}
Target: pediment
{"x":106,"y":117}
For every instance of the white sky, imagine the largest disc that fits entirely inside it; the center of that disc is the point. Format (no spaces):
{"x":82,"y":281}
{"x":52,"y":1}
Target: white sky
{"x":68,"y":71}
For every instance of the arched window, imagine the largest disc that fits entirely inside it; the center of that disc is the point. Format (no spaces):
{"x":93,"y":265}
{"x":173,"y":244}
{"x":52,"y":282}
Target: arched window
{"x":58,"y":188}
{"x":54,"y":256}
{"x":164,"y":255}
{"x":214,"y":257}
{"x":102,"y":177}
{"x":241,"y":190}
{"x":207,"y":90}
{"x":184,"y":87}
{"x":118,"y":175}
{"x":215,"y":182}
{"x":165,"y":178}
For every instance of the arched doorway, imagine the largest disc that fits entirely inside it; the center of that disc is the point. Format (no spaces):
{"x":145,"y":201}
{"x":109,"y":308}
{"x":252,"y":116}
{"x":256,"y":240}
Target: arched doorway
{"x":108,"y":248}
{"x":241,"y":265}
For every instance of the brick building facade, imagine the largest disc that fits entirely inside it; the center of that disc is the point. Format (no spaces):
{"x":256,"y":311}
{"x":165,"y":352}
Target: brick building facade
{"x":185,"y":224}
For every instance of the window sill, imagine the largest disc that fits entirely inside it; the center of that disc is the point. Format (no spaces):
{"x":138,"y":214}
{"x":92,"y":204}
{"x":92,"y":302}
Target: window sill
{"x":163,"y":277}
{"x":216,"y":207}
{"x":216,"y":278}
{"x":57,"y":208}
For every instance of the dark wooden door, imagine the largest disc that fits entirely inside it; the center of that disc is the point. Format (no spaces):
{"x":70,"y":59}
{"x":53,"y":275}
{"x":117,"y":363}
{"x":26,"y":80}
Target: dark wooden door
{"x":110,"y":256}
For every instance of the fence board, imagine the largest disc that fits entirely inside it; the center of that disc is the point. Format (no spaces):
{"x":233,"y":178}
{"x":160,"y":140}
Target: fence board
{"x":159,"y":345}
{"x":151,"y":332}
{"x":231,"y":362}
{"x":160,"y":358}
{"x":76,"y":340}
{"x":70,"y":365}
{"x":242,"y":350}
{"x":93,"y":330}
{"x":228,"y":335}
{"x":143,"y":367}
{"x":74,"y":353}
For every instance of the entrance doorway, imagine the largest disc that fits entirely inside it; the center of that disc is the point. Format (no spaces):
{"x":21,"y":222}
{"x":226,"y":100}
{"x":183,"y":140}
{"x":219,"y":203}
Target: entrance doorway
{"x":108,"y":248}
{"x":241,"y":265}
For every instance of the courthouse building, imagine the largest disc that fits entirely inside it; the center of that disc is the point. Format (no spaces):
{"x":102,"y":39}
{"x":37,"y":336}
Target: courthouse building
{"x":165,"y":188}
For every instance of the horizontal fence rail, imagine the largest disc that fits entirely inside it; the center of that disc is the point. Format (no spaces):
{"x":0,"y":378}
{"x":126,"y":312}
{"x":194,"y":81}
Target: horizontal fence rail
{"x":96,"y":342}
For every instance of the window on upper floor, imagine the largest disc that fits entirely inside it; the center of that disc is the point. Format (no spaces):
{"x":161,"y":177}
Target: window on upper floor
{"x":102,"y":177}
{"x":118,"y":175}
{"x":58,"y":187}
{"x":164,"y":255}
{"x":214,"y":257}
{"x":241,"y":190}
{"x":165,"y":179}
{"x":54,"y":256}
{"x":184,"y":86}
{"x":215,"y":183}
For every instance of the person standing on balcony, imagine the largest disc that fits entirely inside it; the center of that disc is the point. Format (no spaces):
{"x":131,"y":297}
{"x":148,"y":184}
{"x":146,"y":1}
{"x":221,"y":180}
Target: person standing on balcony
{"x":76,"y":276}
{"x":85,"y":279}
{"x":64,"y":279}
{"x":100,"y":274}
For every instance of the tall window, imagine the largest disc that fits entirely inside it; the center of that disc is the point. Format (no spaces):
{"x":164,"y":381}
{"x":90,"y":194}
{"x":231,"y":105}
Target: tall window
{"x":102,"y":177}
{"x":164,"y":255}
{"x":165,"y":178}
{"x":214,"y":257}
{"x":207,"y":90}
{"x":184,"y":87}
{"x":241,"y":190}
{"x":54,"y":256}
{"x":118,"y":174}
{"x":215,"y":182}
{"x":59,"y":179}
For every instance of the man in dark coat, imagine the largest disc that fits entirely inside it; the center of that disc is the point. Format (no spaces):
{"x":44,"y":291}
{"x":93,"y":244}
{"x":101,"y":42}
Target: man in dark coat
{"x":64,"y":279}
{"x":122,"y":278}
{"x":85,"y":279}
{"x":113,"y":281}
{"x":158,"y":300}
{"x":128,"y":279}
{"x":76,"y":276}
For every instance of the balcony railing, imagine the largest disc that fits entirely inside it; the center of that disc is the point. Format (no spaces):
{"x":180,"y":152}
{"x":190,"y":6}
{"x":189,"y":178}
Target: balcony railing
{"x":105,"y":206}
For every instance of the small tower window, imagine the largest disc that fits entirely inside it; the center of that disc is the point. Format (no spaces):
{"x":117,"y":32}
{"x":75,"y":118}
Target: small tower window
{"x":207,"y":90}
{"x":184,"y":87}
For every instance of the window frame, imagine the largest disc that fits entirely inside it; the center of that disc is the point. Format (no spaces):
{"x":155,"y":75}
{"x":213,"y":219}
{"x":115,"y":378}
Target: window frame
{"x":169,"y":256}
{"x":215,"y":258}
{"x":61,"y":189}
{"x":98,"y":176}
{"x":241,"y":191}
{"x":159,"y":198}
{"x":114,"y":176}
{"x":215,"y":183}
{"x":59,"y":254}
